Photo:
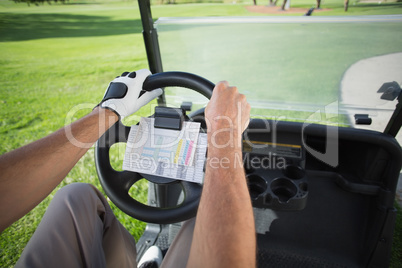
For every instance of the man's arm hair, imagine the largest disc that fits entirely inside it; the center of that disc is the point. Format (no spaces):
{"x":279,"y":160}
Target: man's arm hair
{"x":224,"y":233}
{"x":30,"y":173}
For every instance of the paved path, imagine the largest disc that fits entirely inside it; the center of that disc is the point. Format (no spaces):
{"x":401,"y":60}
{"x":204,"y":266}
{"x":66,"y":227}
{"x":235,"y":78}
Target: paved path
{"x":359,"y":86}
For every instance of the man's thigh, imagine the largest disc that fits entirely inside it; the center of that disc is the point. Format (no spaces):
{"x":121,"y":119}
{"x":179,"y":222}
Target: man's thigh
{"x":79,"y":229}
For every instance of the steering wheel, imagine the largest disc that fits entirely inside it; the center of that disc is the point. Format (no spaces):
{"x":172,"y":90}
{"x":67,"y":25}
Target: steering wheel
{"x":116,"y":184}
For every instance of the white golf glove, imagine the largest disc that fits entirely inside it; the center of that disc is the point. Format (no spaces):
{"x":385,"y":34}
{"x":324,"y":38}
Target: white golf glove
{"x":123,"y":93}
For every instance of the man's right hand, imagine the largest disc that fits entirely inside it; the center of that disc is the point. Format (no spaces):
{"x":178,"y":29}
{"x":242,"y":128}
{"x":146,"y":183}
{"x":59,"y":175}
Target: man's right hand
{"x":225,"y":199}
{"x":227,"y":111}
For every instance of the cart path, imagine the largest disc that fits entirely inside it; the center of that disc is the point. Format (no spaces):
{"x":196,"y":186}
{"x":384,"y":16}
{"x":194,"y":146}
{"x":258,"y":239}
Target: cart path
{"x":277,"y":9}
{"x":360,"y":84}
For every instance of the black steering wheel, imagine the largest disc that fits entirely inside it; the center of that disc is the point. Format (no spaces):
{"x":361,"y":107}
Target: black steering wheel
{"x":117,"y":183}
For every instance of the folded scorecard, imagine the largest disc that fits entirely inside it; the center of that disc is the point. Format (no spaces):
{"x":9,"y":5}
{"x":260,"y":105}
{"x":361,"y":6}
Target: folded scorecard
{"x":168,"y":153}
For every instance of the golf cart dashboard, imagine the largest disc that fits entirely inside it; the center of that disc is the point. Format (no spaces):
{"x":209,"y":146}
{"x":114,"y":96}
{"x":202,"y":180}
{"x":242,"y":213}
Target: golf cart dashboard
{"x":283,"y":159}
{"x":275,"y":167}
{"x":313,"y":184}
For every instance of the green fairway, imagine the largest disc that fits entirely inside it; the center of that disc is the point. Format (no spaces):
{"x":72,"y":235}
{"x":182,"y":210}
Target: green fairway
{"x":57,"y":58}
{"x":293,"y":62}
{"x":54,"y":58}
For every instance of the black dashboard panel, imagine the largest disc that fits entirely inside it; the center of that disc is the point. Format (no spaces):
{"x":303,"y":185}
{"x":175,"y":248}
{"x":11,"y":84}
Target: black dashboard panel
{"x":274,"y":161}
{"x":325,"y":194}
{"x":282,"y":153}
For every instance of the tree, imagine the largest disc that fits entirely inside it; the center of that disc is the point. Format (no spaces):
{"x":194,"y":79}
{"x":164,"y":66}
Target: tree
{"x":346,"y":5}
{"x":284,"y":4}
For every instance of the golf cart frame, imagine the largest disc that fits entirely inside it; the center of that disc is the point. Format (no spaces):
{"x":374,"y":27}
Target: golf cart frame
{"x":309,"y":212}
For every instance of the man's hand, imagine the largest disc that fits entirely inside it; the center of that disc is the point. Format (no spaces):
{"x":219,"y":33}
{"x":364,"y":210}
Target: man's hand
{"x":123,"y":93}
{"x":225,"y":206}
{"x":227,"y":115}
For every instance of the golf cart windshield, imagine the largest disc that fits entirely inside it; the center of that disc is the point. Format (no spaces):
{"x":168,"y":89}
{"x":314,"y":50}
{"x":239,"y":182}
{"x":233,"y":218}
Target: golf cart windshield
{"x":315,"y":69}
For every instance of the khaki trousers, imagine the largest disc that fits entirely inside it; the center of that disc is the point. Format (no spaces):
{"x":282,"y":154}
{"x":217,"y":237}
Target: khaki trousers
{"x":79,"y":229}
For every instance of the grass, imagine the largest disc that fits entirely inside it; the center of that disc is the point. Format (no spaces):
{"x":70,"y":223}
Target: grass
{"x":303,"y":69}
{"x":282,"y":66}
{"x":55,"y":57}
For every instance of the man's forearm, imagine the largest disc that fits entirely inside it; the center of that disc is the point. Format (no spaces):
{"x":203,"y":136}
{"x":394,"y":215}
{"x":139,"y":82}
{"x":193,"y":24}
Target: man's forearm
{"x":225,"y":207}
{"x":30,"y":173}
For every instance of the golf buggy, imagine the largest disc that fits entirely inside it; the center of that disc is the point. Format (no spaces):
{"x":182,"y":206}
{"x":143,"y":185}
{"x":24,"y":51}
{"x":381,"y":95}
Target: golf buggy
{"x":322,"y":187}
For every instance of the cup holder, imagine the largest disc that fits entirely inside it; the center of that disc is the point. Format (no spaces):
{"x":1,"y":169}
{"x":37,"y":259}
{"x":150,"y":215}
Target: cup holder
{"x":294,"y":172}
{"x":284,"y":189}
{"x":303,"y":186}
{"x":256,"y":185}
{"x":279,"y":189}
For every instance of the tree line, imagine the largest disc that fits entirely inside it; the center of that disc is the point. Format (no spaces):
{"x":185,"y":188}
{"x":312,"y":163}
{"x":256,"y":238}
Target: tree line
{"x":38,"y":2}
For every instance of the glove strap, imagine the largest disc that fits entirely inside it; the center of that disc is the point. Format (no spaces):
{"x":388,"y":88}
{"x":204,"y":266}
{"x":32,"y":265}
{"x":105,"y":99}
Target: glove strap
{"x":116,"y":90}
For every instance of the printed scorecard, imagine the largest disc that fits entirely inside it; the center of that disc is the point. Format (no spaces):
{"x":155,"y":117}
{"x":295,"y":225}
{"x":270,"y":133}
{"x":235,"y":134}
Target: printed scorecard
{"x":167,"y":153}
